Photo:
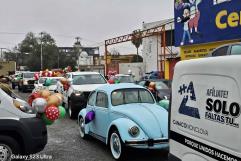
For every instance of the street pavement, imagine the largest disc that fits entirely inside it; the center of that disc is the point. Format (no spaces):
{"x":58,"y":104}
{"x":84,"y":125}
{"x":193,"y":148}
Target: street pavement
{"x":65,"y":144}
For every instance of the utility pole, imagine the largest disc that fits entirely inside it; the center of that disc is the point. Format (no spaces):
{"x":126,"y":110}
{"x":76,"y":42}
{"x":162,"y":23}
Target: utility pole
{"x":79,"y":49}
{"x":41,"y":52}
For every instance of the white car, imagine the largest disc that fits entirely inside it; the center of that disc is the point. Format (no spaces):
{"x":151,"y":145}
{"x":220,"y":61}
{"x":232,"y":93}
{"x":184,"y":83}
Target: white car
{"x":81,"y":84}
{"x":52,"y":87}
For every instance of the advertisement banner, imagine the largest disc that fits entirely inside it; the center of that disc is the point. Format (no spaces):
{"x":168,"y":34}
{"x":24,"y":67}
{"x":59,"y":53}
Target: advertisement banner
{"x":199,"y":51}
{"x":205,"y":21}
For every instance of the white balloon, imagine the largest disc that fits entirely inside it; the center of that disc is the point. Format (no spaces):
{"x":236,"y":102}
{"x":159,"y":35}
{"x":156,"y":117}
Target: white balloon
{"x":39,"y":104}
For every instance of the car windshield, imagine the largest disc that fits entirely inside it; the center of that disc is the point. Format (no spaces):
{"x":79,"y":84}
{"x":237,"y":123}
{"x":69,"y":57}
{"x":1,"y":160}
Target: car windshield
{"x":125,"y":79}
{"x":54,"y":81}
{"x":41,"y":80}
{"x":160,"y":85}
{"x":127,"y":96}
{"x":89,"y":79}
{"x":28,"y":75}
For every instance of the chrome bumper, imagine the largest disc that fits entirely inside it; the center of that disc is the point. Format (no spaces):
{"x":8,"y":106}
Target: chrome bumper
{"x":149,"y":142}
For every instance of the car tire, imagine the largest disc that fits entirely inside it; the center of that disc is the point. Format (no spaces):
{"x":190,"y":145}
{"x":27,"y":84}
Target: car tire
{"x":19,"y":88}
{"x":72,"y":113}
{"x":8,"y":146}
{"x":13,"y":86}
{"x":117,"y":147}
{"x":23,"y":89}
{"x":81,"y":122}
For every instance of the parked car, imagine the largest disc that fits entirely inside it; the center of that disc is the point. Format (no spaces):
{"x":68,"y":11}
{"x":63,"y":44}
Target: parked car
{"x":21,"y":133}
{"x":123,"y":78}
{"x":52,"y":87}
{"x":81,"y":84}
{"x":161,"y":85}
{"x":26,"y":81}
{"x":15,"y":79}
{"x":124,"y":115}
{"x":227,"y":49}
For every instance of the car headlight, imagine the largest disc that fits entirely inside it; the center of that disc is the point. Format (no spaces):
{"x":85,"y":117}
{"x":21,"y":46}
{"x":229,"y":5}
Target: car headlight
{"x":25,"y":82}
{"x":77,"y":93}
{"x":134,"y":131}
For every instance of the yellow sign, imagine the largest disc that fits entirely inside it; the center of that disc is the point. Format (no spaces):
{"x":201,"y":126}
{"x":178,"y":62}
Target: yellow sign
{"x":201,"y":50}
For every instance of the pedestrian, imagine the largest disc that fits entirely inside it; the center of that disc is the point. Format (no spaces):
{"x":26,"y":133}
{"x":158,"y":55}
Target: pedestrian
{"x":152,"y":88}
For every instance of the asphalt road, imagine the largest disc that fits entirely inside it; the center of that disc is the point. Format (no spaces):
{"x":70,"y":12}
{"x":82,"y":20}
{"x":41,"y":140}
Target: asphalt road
{"x":64,"y":143}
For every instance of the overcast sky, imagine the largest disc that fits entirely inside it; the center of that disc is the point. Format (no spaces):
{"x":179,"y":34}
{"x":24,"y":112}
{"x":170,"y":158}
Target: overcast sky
{"x":93,"y":20}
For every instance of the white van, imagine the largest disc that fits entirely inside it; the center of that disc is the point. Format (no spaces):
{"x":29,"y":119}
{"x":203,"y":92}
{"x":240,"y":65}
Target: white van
{"x":21,"y":133}
{"x":205,"y":110}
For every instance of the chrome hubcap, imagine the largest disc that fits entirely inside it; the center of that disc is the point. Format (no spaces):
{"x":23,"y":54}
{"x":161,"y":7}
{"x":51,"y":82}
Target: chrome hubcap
{"x":70,"y":111}
{"x":5,"y":153}
{"x":115,"y":145}
{"x":82,"y":127}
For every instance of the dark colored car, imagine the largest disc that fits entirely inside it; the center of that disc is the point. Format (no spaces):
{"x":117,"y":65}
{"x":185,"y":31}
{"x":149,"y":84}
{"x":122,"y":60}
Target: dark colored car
{"x":161,"y":85}
{"x":26,"y":81}
{"x":227,"y":49}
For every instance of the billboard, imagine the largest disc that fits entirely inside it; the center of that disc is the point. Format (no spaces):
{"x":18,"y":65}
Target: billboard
{"x":205,"y":21}
{"x":199,"y":51}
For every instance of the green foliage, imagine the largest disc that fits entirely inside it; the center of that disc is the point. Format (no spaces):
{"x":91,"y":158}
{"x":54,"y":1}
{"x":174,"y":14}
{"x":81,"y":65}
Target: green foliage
{"x":136,"y":39}
{"x":136,"y":58}
{"x":32,"y":45}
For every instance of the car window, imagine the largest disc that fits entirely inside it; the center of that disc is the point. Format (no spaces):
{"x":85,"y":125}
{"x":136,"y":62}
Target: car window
{"x":67,"y":76}
{"x":28,"y":75}
{"x":236,"y":50}
{"x":160,"y":85}
{"x":131,"y":95}
{"x":126,"y":79}
{"x":141,"y":83}
{"x":89,"y":79}
{"x":41,"y":80}
{"x":220,"y":51}
{"x":91,"y":100}
{"x":101,"y":100}
{"x":145,"y":96}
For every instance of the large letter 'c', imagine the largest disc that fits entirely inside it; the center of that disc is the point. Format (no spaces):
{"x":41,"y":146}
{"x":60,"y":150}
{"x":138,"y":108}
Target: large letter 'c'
{"x":218,"y":19}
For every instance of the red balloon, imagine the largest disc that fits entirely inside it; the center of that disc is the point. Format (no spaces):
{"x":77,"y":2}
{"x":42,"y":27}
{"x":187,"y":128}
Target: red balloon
{"x":52,"y":113}
{"x":111,"y":81}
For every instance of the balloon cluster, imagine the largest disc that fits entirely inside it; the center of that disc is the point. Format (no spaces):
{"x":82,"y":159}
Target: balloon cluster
{"x":65,"y":83}
{"x":47,"y":106}
{"x":47,"y":73}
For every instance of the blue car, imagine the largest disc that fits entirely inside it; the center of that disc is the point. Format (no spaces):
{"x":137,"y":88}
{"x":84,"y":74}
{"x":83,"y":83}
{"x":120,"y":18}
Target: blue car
{"x":124,"y":115}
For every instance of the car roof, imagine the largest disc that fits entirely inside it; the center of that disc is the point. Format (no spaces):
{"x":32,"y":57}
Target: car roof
{"x":126,"y":75}
{"x":82,"y":73}
{"x":111,"y":87}
{"x":52,"y":77}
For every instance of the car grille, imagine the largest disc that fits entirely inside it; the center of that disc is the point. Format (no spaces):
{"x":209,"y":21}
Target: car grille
{"x":31,"y":81}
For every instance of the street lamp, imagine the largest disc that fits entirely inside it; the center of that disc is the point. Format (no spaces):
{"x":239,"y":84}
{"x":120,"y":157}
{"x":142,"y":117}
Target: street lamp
{"x":41,"y":52}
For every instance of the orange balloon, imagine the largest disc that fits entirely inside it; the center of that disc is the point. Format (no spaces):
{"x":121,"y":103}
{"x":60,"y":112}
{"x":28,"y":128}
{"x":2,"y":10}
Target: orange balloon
{"x":45,"y":93}
{"x":53,"y":100}
{"x":59,"y":96}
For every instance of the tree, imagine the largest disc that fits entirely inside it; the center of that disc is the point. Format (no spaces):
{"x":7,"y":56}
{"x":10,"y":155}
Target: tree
{"x":137,"y":39}
{"x":32,"y":45}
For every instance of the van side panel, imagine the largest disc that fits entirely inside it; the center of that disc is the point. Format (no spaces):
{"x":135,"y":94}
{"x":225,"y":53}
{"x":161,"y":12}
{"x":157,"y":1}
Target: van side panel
{"x":203,"y":107}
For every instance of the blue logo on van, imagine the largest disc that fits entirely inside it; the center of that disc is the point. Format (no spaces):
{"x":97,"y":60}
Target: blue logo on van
{"x":188,"y":92}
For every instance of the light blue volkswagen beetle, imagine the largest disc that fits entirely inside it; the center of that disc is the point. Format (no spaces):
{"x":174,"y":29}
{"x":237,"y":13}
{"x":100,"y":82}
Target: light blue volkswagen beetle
{"x":123,"y":115}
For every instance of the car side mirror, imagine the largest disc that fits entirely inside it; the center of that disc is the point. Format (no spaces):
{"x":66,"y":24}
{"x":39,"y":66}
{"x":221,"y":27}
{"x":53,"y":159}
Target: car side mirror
{"x":90,"y":116}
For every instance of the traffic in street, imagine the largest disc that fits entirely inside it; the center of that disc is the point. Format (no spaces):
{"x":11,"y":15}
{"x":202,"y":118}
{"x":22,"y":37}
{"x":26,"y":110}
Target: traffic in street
{"x":65,"y":143}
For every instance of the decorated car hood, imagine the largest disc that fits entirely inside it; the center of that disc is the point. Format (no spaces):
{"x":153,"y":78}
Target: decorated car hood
{"x":151,"y":118}
{"x":86,"y":87}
